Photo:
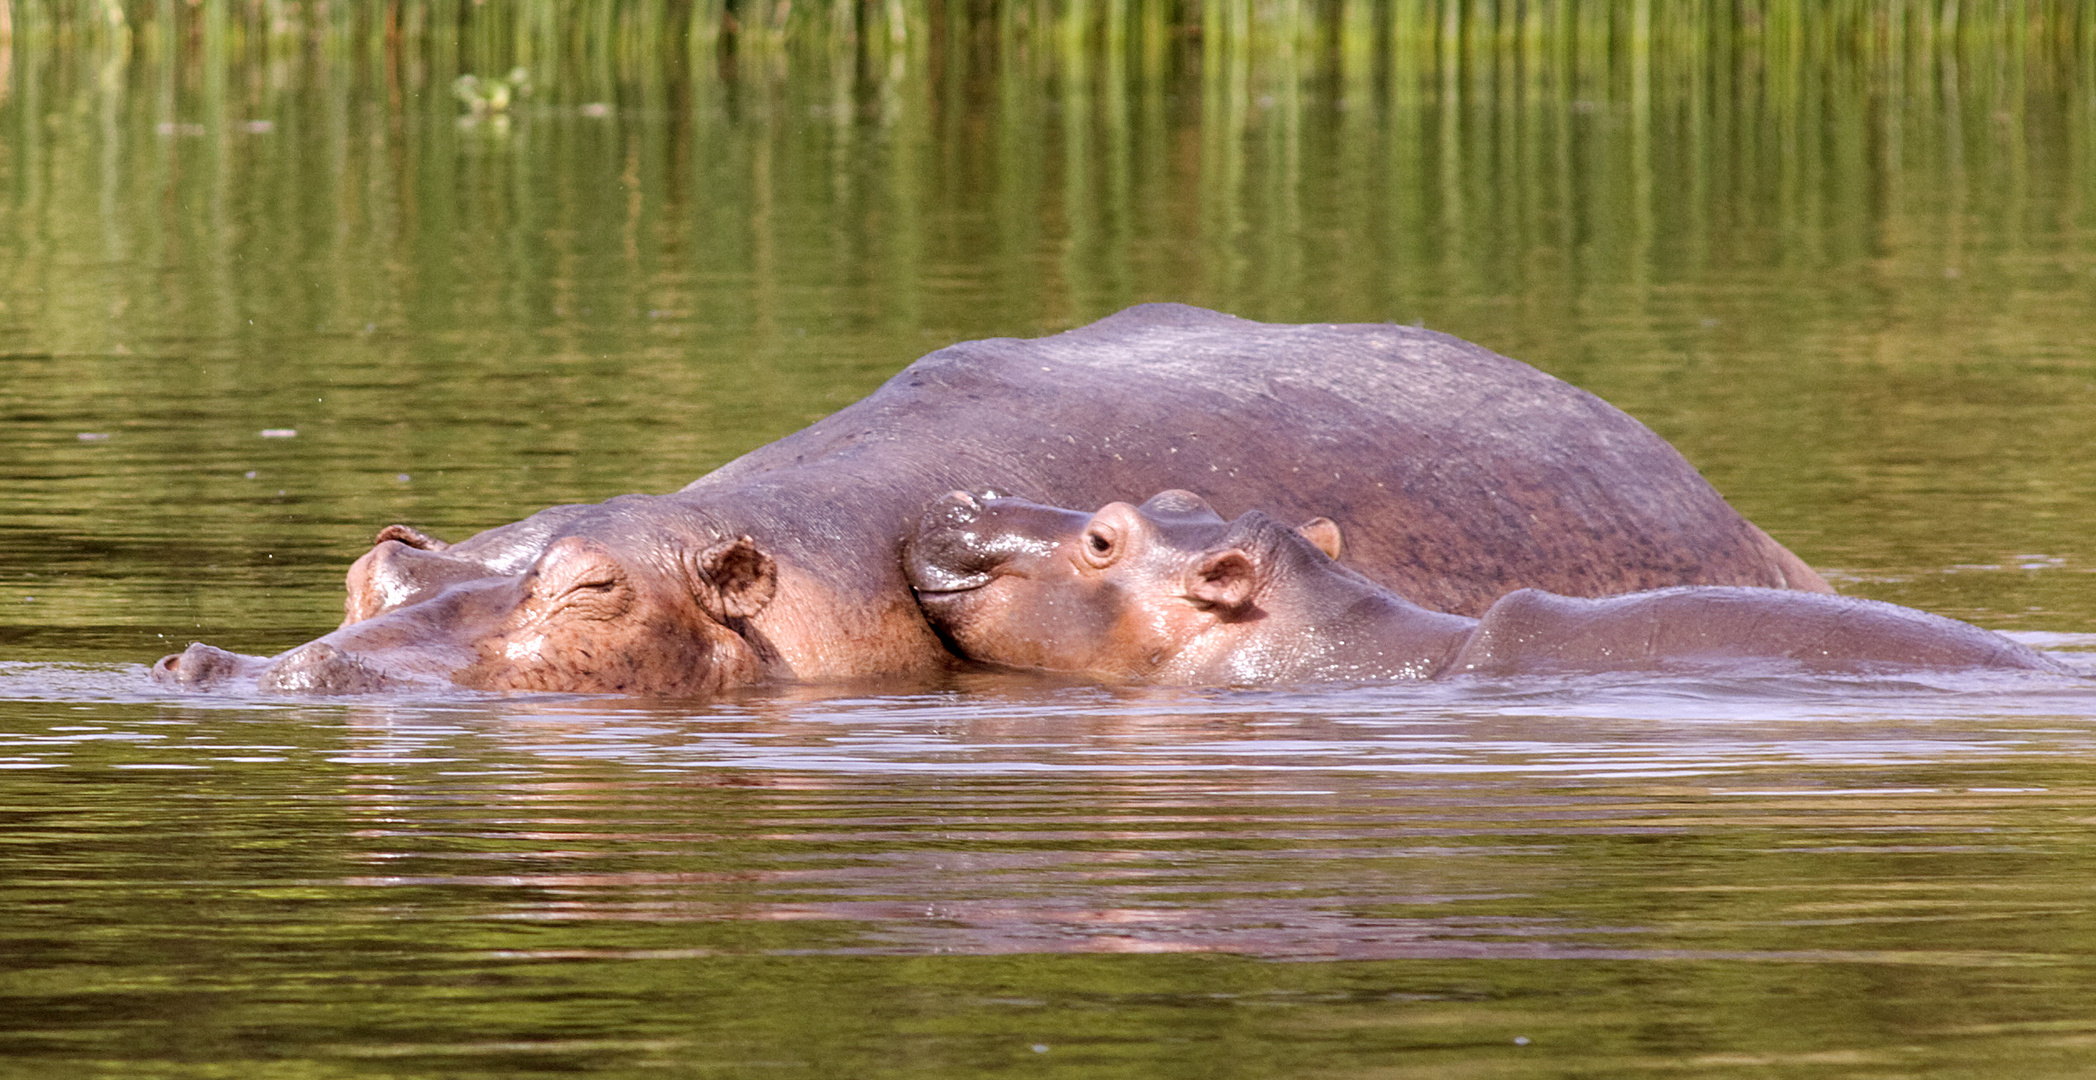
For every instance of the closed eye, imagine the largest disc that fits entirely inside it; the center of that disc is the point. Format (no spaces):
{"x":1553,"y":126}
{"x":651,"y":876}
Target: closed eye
{"x":595,"y":596}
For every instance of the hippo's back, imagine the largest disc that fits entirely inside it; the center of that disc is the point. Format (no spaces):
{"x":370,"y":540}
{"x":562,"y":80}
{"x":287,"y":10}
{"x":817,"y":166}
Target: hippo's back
{"x":1456,"y":474}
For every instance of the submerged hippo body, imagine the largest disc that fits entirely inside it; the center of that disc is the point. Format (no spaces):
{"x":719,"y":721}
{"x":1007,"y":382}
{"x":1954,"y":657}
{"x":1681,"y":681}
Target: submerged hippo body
{"x":1465,"y":474}
{"x":1169,"y":592}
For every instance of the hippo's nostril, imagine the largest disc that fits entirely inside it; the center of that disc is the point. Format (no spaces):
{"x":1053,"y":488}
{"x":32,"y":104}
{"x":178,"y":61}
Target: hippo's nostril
{"x":955,"y":509}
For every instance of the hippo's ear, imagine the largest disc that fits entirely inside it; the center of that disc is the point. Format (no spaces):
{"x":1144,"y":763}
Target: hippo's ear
{"x":1323,"y":533}
{"x":409,"y":535}
{"x":734,"y":579}
{"x":1222,"y":581}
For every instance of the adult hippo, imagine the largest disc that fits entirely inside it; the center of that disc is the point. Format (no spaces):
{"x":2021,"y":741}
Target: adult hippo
{"x":1464,"y":473}
{"x":1169,"y":592}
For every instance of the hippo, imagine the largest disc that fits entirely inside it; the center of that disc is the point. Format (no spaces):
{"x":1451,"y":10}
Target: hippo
{"x":1168,"y":592}
{"x":1465,"y":475}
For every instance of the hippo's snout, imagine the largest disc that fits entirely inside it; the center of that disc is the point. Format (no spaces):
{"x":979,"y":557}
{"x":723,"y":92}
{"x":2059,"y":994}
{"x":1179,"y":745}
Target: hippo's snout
{"x":947,"y":553}
{"x":321,"y":668}
{"x":964,"y":540}
{"x":204,"y":667}
{"x":316,"y":668}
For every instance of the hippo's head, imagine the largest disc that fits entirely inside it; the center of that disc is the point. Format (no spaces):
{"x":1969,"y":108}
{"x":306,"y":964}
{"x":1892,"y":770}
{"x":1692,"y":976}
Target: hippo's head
{"x":1117,"y":593}
{"x":618,"y":598}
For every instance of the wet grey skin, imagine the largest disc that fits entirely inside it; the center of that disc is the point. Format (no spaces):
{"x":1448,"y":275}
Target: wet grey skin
{"x":1464,"y":474}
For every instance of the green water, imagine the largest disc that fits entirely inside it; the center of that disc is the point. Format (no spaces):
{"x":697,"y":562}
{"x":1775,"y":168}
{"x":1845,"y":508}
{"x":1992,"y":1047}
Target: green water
{"x":1848,"y":265}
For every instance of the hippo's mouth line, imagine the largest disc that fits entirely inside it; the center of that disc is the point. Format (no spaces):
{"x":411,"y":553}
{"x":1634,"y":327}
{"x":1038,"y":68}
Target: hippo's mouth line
{"x":934,"y":584}
{"x":941,"y":594}
{"x":933,"y":588}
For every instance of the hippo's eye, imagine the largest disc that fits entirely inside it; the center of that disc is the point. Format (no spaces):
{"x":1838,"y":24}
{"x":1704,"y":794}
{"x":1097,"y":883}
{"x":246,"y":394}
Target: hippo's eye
{"x":1098,"y":546}
{"x":578,"y":578}
{"x":597,"y":593}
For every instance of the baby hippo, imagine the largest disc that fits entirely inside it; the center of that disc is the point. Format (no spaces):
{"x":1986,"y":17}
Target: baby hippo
{"x":1169,"y":592}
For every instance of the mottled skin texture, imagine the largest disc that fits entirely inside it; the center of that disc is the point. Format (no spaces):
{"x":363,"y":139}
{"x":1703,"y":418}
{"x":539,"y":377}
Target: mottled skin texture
{"x":1169,"y":592}
{"x":1466,"y":475}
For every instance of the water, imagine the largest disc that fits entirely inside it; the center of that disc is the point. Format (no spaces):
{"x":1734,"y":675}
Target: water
{"x":1815,"y":877}
{"x":1854,"y":290}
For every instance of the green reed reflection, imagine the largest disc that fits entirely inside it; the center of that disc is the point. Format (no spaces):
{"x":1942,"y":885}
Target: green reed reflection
{"x":1406,"y":150}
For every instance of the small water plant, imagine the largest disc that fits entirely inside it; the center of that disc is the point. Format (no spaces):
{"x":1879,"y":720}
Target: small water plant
{"x":492,"y":97}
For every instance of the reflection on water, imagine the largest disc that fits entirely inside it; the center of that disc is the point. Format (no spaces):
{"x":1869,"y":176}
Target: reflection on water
{"x":1610,"y":869}
{"x":266,"y":287}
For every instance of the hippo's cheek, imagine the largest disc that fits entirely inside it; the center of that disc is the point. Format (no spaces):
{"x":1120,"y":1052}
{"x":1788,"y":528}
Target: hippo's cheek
{"x":1004,"y":621}
{"x":962,"y":616}
{"x":536,"y":659}
{"x":572,"y":661}
{"x":1057,"y":624}
{"x":652,"y":657}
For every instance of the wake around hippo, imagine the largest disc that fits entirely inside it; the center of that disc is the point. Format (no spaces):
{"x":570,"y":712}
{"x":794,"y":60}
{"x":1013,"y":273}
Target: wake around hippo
{"x":1169,"y":592}
{"x":1465,"y":475}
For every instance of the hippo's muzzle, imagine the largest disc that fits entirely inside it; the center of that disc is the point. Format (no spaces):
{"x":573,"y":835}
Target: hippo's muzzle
{"x":320,"y":668}
{"x":206,"y":667}
{"x":420,"y":646}
{"x":946,"y":552}
{"x":964,"y":540}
